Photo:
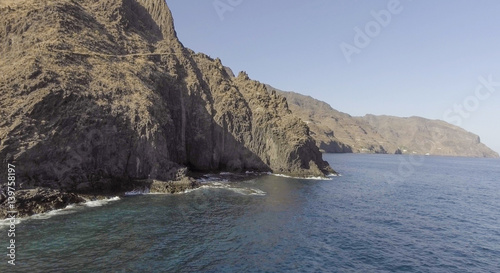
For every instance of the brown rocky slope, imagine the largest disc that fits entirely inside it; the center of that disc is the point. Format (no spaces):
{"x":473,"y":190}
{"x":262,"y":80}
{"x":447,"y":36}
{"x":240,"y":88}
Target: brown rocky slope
{"x":95,"y":93}
{"x":423,"y":136}
{"x":337,"y":132}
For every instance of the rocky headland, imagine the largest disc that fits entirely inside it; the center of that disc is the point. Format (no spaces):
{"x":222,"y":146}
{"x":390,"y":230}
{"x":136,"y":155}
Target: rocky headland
{"x":95,"y":95}
{"x":98,"y":98}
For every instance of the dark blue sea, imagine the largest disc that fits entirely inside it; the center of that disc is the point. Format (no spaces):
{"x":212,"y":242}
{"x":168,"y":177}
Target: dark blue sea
{"x":386,"y":213}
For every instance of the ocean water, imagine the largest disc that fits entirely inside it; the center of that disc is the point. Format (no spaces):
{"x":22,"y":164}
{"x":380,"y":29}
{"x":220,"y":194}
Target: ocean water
{"x":386,"y":213}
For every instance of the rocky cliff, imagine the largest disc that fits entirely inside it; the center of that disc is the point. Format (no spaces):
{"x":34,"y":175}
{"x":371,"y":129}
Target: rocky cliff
{"x":337,"y":132}
{"x":424,"y":136}
{"x":93,"y":93}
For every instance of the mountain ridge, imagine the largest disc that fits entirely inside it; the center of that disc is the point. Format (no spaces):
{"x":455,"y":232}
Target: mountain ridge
{"x":339,"y":132}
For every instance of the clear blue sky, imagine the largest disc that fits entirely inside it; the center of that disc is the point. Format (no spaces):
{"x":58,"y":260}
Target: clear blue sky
{"x":424,"y":61}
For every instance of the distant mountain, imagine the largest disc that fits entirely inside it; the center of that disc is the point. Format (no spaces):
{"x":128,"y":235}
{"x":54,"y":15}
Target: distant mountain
{"x":337,"y":132}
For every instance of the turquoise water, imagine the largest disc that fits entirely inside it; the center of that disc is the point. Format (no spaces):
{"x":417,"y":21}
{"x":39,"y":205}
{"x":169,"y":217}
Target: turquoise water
{"x":385,"y":213}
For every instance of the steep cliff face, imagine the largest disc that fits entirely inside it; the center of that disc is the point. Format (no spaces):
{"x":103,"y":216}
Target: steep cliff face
{"x":337,"y":132}
{"x":92,"y":91}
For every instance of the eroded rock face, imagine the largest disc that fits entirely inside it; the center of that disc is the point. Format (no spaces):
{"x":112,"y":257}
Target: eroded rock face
{"x":95,"y":91}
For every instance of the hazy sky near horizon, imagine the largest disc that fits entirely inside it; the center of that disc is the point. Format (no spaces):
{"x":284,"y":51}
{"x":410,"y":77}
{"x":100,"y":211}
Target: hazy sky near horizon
{"x":415,"y":58}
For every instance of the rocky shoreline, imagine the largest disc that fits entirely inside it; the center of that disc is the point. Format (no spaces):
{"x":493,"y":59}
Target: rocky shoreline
{"x":41,"y":200}
{"x":38,"y":200}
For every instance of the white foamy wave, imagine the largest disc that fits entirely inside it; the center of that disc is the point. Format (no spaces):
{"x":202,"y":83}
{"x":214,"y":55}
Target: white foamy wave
{"x":46,"y":215}
{"x":5,"y":224}
{"x":187,"y":191}
{"x":329,"y":177}
{"x":99,"y":203}
{"x":248,"y":191}
{"x":67,"y":210}
{"x":229,"y":187}
{"x":211,"y":179}
{"x":219,"y":184}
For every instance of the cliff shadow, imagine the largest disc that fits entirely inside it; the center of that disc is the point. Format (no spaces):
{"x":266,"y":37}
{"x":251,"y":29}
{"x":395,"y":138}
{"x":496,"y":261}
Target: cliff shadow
{"x":209,"y":145}
{"x":86,"y":148}
{"x":140,"y":21}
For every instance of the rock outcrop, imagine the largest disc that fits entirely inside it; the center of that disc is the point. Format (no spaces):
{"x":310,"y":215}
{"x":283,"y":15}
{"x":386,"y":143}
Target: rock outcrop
{"x":36,"y":201}
{"x":163,"y":187}
{"x":95,"y":93}
{"x":337,"y":132}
